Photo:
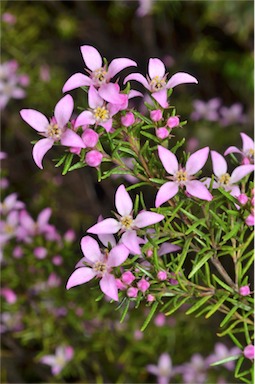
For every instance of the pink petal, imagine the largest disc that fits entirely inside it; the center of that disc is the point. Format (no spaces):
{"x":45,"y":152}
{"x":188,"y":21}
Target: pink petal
{"x":71,"y":139}
{"x":86,"y":117}
{"x":63,"y":110}
{"x":91,"y":57}
{"x":168,"y":160}
{"x":117,"y":255}
{"x":166,"y":192}
{"x":107,"y":125}
{"x":235,"y":191}
{"x":161,"y":97}
{"x":131,"y":241}
{"x":48,"y":359}
{"x":248,"y":143}
{"x":180,"y":78}
{"x":198,"y":189}
{"x":168,"y":248}
{"x":75,"y":81}
{"x":219,"y":164}
{"x":239,"y":172}
{"x":109,"y":287}
{"x":35,"y":119}
{"x":39,"y":150}
{"x":105,"y":226}
{"x":18,"y":93}
{"x":231,"y":150}
{"x":43,"y":217}
{"x":197,"y":160}
{"x":107,"y":239}
{"x":94,"y":99}
{"x":156,"y":68}
{"x":137,"y":77}
{"x":26,"y":221}
{"x":80,"y":276}
{"x":123,"y":201}
{"x":90,"y":249}
{"x":143,"y":219}
{"x":110,"y":93}
{"x":117,"y":65}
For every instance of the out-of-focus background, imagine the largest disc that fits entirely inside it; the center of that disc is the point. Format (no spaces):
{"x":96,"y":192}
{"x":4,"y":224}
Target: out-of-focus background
{"x":213,"y":41}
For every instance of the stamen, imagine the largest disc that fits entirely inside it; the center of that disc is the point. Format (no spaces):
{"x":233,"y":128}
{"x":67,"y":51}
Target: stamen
{"x":224,"y":179}
{"x":127,"y":222}
{"x":181,"y":176}
{"x":99,"y":76}
{"x":157,"y":83}
{"x":101,"y":114}
{"x":100,"y":267}
{"x":54,"y":131}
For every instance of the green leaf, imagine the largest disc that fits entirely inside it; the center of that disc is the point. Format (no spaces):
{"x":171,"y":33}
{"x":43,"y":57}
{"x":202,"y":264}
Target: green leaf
{"x":228,"y":316}
{"x":176,"y":306}
{"x":183,"y":254}
{"x":157,"y":181}
{"x":128,"y":150}
{"x":68,"y":162}
{"x":226,"y":360}
{"x":222,"y":284}
{"x":198,"y":304}
{"x":143,"y":118}
{"x":178,"y":145}
{"x":150,"y":136}
{"x":78,"y":165}
{"x":60,"y":162}
{"x":233,"y":232}
{"x":150,"y":315}
{"x":137,"y":185}
{"x":200,"y":263}
{"x":227,"y":195}
{"x":124,"y":311}
{"x":216,"y":306}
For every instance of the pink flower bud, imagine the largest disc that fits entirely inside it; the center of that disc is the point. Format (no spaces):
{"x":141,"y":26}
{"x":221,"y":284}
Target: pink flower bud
{"x":75,"y":150}
{"x":249,"y":352}
{"x":245,"y":290}
{"x":242,"y":199}
{"x":128,"y":119}
{"x":143,"y":285}
{"x":90,"y":138}
{"x":132,"y":292}
{"x":162,"y":275}
{"x":138,"y":335}
{"x":57,"y":260}
{"x":250,"y":220}
{"x":120,"y":285}
{"x":9,"y":295}
{"x":150,"y":298}
{"x":93,"y":158}
{"x":160,"y":320}
{"x":24,"y":80}
{"x":9,"y":18}
{"x":149,"y":253}
{"x":173,"y":122}
{"x":127,"y":277}
{"x":162,"y":133}
{"x":40,"y":252}
{"x":69,"y":236}
{"x":18,"y":252}
{"x":156,"y":115}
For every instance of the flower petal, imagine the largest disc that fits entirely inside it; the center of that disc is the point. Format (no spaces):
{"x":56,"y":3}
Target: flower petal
{"x":137,"y":77}
{"x":219,"y":164}
{"x":94,"y":99}
{"x":90,"y":249}
{"x":180,"y":78}
{"x":197,"y":189}
{"x":80,"y":276}
{"x":43,"y":217}
{"x":248,"y":143}
{"x":63,"y":110}
{"x":75,"y":81}
{"x":105,"y":227}
{"x":161,"y":97}
{"x":131,"y":241}
{"x":197,"y":160}
{"x":91,"y":57}
{"x":146,"y":218}
{"x":39,"y":150}
{"x":166,"y":192}
{"x":167,"y":248}
{"x":156,"y":67}
{"x":117,"y":255}
{"x":84,"y":118}
{"x":111,"y":93}
{"x":232,"y":149}
{"x":241,"y":171}
{"x":35,"y":119}
{"x":109,"y":287}
{"x":117,"y":65}
{"x":168,"y":160}
{"x":123,"y":201}
{"x":71,"y":139}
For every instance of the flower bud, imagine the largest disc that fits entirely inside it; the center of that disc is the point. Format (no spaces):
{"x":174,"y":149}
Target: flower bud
{"x":40,"y":252}
{"x":128,"y":119}
{"x":57,"y":260}
{"x":150,"y":298}
{"x":250,"y":220}
{"x":94,"y":158}
{"x":90,"y":138}
{"x":162,"y":275}
{"x":127,"y":277}
{"x":160,"y":320}
{"x":119,"y":284}
{"x":249,"y":352}
{"x":245,"y":290}
{"x":132,"y":292}
{"x":156,"y":115}
{"x":173,"y":121}
{"x":162,"y":133}
{"x":242,"y":199}
{"x":143,"y":285}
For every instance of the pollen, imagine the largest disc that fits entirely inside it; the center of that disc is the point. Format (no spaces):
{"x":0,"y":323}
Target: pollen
{"x":224,"y":179}
{"x":127,"y":222}
{"x":54,"y":131}
{"x":100,"y":267}
{"x":99,"y":76}
{"x":181,"y":176}
{"x":101,"y":114}
{"x":157,"y":83}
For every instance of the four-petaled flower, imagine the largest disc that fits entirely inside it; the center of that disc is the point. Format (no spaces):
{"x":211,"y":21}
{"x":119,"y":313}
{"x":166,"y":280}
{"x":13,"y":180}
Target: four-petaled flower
{"x":99,"y":74}
{"x":53,"y":130}
{"x":164,"y":370}
{"x":58,"y":361}
{"x":182,"y":176}
{"x":247,"y":150}
{"x":157,"y":82}
{"x":100,"y":265}
{"x":125,"y":221}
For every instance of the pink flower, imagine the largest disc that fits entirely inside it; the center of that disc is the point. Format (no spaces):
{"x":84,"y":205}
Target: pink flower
{"x":9,"y":18}
{"x":90,"y":138}
{"x":225,"y":180}
{"x":250,"y":219}
{"x":206,"y":110}
{"x":150,"y":298}
{"x":245,"y":290}
{"x":93,"y":158}
{"x":247,"y":150}
{"x":53,"y":130}
{"x":132,"y":292}
{"x":127,"y":277}
{"x":156,"y":115}
{"x":40,"y":252}
{"x":232,"y":115}
{"x":99,"y":74}
{"x":157,"y":83}
{"x":100,"y":265}
{"x":163,"y":370}
{"x":125,"y":221}
{"x":249,"y":352}
{"x":173,"y":122}
{"x":222,"y":352}
{"x":182,"y":176}
{"x":10,"y":203}
{"x":143,"y":285}
{"x":9,"y":83}
{"x":58,"y":361}
{"x":9,"y":295}
{"x":162,"y":275}
{"x":162,"y":133}
{"x":29,"y":227}
{"x":128,"y":119}
{"x":243,"y":199}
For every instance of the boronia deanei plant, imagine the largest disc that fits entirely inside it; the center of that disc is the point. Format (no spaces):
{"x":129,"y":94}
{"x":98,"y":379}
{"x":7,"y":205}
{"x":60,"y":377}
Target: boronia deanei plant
{"x":193,"y":246}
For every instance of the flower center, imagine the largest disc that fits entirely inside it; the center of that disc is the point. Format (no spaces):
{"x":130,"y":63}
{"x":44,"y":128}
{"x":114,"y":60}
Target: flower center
{"x":224,"y":179}
{"x":157,"y":83}
{"x":101,"y":114}
{"x":251,"y":153}
{"x":99,"y":76}
{"x":54,"y":131}
{"x":100,"y":268}
{"x":181,"y":176}
{"x":9,"y":229}
{"x":127,"y":222}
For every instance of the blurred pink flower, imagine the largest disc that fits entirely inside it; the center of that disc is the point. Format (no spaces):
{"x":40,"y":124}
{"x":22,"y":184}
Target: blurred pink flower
{"x":58,"y":361}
